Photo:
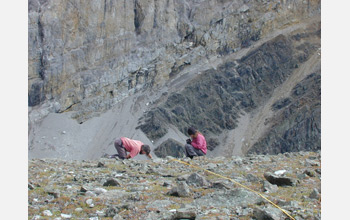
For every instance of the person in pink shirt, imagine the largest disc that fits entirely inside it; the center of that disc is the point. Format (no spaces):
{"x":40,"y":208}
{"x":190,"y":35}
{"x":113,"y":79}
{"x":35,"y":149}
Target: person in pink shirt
{"x":134,"y":147}
{"x":197,"y":146}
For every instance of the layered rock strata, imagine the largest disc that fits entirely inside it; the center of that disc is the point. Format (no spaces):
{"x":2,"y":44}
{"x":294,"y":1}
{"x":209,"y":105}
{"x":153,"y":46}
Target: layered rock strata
{"x":228,"y":68}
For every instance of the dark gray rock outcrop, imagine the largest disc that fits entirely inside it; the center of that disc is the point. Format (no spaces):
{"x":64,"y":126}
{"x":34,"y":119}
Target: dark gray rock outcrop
{"x":214,"y":101}
{"x":298,"y":124}
{"x":112,"y":182}
{"x":170,"y":147}
{"x":280,"y":180}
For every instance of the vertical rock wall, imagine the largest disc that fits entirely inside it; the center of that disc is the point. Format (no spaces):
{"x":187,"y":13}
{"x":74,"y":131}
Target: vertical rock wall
{"x":87,"y":56}
{"x":90,"y":54}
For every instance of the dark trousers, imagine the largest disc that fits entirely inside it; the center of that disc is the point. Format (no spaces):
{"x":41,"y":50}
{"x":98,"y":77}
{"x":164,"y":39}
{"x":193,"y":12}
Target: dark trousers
{"x":191,"y":151}
{"x":118,"y":144}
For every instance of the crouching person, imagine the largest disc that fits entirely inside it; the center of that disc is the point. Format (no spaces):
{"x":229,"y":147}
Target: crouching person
{"x":134,"y":147}
{"x":197,"y":145}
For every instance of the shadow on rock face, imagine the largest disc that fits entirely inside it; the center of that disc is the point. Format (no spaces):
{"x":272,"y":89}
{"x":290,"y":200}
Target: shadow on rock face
{"x":170,"y":147}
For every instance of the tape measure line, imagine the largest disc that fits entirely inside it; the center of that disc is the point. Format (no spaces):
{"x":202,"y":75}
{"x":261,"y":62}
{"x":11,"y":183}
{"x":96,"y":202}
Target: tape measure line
{"x":262,"y":196}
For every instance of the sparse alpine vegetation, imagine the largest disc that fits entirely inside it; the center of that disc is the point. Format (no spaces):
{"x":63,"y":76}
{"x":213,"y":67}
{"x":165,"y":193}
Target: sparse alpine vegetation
{"x":166,"y":189}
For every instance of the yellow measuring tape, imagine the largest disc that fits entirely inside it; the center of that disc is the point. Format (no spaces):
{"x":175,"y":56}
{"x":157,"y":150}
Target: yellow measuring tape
{"x":262,"y":196}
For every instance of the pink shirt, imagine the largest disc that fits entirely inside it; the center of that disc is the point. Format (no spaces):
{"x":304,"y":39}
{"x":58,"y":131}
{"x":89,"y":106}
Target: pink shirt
{"x":200,"y":143}
{"x":132,"y":146}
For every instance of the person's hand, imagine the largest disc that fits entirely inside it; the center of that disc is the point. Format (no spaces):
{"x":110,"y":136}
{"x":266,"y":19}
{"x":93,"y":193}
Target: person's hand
{"x":188,"y":141}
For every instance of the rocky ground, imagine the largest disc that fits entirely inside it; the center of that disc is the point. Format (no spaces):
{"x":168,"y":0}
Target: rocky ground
{"x":167,"y":189}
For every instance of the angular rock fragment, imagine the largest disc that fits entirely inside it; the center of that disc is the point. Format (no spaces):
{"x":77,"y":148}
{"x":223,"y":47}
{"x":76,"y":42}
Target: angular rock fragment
{"x":219,"y":185}
{"x":181,"y":190}
{"x":267,"y":213}
{"x":197,"y":180}
{"x":185,"y":213}
{"x":279,"y":180}
{"x":314,"y":194}
{"x":268,"y":187}
{"x":112,"y":182}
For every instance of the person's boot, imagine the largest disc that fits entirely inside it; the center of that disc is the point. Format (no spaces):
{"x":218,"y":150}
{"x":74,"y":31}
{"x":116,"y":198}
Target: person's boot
{"x":115,"y":156}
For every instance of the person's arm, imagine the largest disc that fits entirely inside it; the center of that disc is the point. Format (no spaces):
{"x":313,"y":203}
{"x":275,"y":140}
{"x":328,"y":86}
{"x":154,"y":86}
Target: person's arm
{"x":198,"y":143}
{"x":150,"y":156}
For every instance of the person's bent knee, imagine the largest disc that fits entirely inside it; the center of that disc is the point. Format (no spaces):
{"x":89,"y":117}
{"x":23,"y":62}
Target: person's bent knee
{"x":118,"y":142}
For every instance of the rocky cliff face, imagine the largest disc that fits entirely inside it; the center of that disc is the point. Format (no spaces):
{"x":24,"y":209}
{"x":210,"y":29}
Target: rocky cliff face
{"x":236,"y":70}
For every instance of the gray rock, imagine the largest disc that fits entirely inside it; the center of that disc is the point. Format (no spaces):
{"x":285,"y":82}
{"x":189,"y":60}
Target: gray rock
{"x":159,"y":205}
{"x":280,"y":180}
{"x":314,"y":194}
{"x":185,"y":213}
{"x":90,"y":203}
{"x":84,"y":189}
{"x":238,"y":161}
{"x":181,"y":190}
{"x":219,"y":185}
{"x":90,"y":194}
{"x":79,"y":209}
{"x":55,"y":193}
{"x":267,"y":213}
{"x":243,"y":9}
{"x":166,"y":183}
{"x":302,"y":176}
{"x":158,"y":160}
{"x":112,"y":182}
{"x":311,"y":163}
{"x":36,"y":217}
{"x":211,"y":166}
{"x":269,"y":188}
{"x":170,"y":147}
{"x":30,"y":186}
{"x":111,"y":211}
{"x":284,"y":203}
{"x":235,"y":197}
{"x":66,"y":216}
{"x":243,"y":211}
{"x":252,"y":178}
{"x":99,"y":191}
{"x":169,"y":158}
{"x":310,"y":173}
{"x":47,"y":213}
{"x":197,"y":180}
{"x":183,"y":177}
{"x":117,"y":217}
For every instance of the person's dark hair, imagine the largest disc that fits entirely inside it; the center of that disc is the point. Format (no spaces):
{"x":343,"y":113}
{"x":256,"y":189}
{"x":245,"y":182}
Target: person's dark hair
{"x":191,"y":131}
{"x":146,"y":148}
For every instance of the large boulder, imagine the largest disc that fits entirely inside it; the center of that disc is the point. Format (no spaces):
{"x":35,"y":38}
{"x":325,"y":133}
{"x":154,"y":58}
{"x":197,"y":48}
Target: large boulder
{"x":280,"y":180}
{"x":170,"y":147}
{"x":181,"y":190}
